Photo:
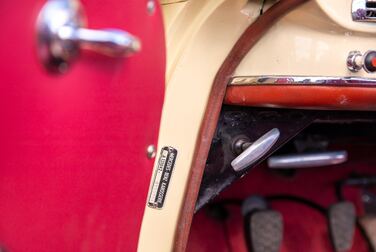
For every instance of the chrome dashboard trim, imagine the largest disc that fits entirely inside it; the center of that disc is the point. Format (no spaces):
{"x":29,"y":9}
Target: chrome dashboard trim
{"x":362,"y":12}
{"x":300,"y":80}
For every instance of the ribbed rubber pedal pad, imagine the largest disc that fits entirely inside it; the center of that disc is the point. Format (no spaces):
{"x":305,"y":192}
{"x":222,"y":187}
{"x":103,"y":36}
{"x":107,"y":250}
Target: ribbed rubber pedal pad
{"x":342,"y":220}
{"x":266,"y":231}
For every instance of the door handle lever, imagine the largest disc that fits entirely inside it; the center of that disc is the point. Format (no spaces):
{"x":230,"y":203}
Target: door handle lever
{"x":62,"y":33}
{"x":111,"y":42}
{"x":256,"y":150}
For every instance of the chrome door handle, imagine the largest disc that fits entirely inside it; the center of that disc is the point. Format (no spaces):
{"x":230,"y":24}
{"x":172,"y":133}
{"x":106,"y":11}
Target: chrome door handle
{"x":256,"y":150}
{"x":62,"y":32}
{"x":110,"y":42}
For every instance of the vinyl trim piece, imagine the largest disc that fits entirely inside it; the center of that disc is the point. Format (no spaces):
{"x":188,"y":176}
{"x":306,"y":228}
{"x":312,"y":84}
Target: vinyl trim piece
{"x":318,"y":97}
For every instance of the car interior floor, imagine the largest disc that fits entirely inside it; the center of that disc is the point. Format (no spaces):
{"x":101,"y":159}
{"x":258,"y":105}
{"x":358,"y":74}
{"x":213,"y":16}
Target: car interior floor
{"x":301,"y":196}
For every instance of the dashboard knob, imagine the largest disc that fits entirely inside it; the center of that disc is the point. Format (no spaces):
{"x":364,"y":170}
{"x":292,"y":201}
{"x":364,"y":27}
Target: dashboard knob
{"x":369,"y":59}
{"x":355,"y":61}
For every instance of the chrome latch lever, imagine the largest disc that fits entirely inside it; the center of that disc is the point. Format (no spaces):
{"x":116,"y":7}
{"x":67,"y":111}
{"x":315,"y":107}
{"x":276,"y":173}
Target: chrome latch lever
{"x":255,"y":151}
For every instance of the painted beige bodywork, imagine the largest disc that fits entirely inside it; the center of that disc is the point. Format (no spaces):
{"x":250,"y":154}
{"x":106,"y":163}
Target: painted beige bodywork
{"x":200,"y":34}
{"x":198,"y":42}
{"x":308,"y":42}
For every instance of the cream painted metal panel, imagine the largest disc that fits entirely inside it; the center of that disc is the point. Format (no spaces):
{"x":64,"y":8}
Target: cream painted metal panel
{"x":200,"y":55}
{"x":306,"y":42}
{"x":183,"y":30}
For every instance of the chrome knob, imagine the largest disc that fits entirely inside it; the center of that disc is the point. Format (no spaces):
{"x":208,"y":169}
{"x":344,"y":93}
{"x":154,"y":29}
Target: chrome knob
{"x":355,"y":61}
{"x":62,"y":32}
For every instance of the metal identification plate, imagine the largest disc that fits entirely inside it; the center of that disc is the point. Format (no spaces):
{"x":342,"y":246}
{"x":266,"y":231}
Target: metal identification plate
{"x":162,"y":177}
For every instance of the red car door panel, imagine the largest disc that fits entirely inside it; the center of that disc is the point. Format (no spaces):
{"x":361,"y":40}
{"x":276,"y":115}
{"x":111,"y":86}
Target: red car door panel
{"x":74,"y":174}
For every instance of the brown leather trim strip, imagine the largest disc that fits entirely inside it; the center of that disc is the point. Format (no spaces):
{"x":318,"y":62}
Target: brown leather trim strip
{"x":248,"y":39}
{"x":301,"y":96}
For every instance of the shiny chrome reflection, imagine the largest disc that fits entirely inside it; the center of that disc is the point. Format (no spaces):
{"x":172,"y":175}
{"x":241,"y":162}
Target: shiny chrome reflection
{"x":301,"y":80}
{"x":256,"y":150}
{"x":62,"y":33}
{"x":363,"y":10}
{"x":354,"y":61}
{"x":307,"y":160}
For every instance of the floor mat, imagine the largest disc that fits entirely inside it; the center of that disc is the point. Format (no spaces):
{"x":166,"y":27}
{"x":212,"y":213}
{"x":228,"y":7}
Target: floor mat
{"x":304,"y":228}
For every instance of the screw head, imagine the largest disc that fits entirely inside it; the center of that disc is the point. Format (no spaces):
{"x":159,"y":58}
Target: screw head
{"x":151,"y":151}
{"x":150,"y":6}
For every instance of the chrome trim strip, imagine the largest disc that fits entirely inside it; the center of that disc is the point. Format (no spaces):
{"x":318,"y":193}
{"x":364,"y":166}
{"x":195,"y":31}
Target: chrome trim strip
{"x":361,"y":13}
{"x":300,"y":80}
